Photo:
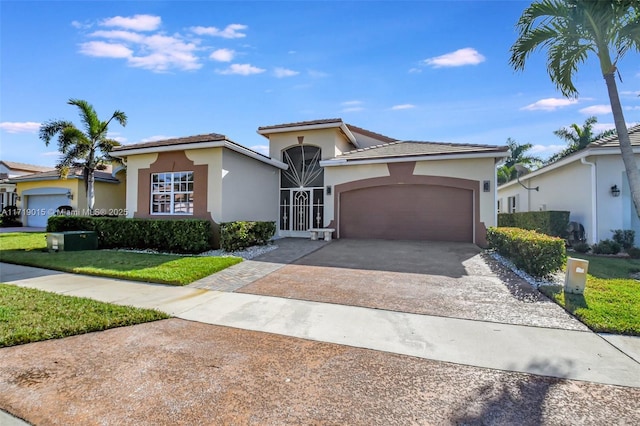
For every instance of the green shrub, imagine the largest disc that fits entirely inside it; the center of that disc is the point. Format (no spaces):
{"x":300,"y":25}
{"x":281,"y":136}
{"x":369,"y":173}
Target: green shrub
{"x":535,"y":253}
{"x":550,"y":222}
{"x":240,"y":235}
{"x":606,"y":247}
{"x":634,"y":252}
{"x":10,"y":217}
{"x":581,"y":247}
{"x":177,"y":236}
{"x":624,"y":237}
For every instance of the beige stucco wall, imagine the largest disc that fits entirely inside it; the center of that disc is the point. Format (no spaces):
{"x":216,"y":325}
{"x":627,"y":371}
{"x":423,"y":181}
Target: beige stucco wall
{"x":213,"y":158}
{"x":249,"y":189}
{"x":565,"y":188}
{"x":74,"y":185}
{"x":110,"y":197}
{"x":331,"y":141}
{"x":134,"y":163}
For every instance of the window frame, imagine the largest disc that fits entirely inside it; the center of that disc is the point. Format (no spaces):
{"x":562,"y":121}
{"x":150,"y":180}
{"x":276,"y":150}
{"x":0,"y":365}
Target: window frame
{"x":176,"y":179}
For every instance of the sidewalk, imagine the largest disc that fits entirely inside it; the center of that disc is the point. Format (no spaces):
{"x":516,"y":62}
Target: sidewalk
{"x":544,"y":351}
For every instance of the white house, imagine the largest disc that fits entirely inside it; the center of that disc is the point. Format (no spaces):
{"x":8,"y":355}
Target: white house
{"x":591,"y":184}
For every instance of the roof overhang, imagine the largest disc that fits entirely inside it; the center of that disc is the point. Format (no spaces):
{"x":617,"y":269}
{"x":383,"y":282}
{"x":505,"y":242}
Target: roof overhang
{"x":320,"y":126}
{"x":346,"y":162}
{"x":124,"y":153}
{"x":587,"y":152}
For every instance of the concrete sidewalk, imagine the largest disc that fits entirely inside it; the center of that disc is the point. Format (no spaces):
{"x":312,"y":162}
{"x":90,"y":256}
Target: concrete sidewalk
{"x":551,"y":352}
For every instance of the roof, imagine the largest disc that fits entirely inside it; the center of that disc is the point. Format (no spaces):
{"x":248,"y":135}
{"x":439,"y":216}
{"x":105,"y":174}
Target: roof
{"x":209,"y":137}
{"x":605,"y":146}
{"x":613,"y":142}
{"x":14,"y":165}
{"x":302,"y":123}
{"x":416,"y":148}
{"x":365,"y":132}
{"x":101,"y":176}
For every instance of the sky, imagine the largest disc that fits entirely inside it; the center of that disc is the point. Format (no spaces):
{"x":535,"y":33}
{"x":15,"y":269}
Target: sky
{"x":412,"y":70}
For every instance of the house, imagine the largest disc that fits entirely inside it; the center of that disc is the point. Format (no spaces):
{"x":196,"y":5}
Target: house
{"x":11,"y":169}
{"x":591,"y":184}
{"x":40,"y":195}
{"x":320,"y":174}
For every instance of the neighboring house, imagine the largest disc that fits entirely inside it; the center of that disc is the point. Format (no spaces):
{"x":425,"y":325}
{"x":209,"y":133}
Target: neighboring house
{"x":320,"y":174}
{"x":591,"y":184}
{"x":41,"y":194}
{"x":11,"y":169}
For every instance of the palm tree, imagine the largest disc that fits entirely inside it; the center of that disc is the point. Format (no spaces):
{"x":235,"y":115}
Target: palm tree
{"x":88,"y":150}
{"x":578,"y":137}
{"x":570,"y":30}
{"x":517,"y":155}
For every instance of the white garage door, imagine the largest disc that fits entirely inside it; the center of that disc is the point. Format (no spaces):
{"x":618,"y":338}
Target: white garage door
{"x":40,"y":207}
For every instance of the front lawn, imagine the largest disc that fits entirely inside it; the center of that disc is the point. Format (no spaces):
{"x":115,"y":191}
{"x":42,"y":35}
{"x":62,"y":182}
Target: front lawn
{"x":28,"y":315}
{"x":30,"y":249}
{"x":611,"y":300}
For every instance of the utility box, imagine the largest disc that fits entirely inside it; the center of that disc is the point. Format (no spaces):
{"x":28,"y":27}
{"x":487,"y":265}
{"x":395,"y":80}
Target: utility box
{"x":72,"y":241}
{"x":576,"y":276}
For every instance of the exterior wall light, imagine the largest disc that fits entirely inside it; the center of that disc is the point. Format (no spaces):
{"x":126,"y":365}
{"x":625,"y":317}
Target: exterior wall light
{"x":69,"y":195}
{"x":615,"y":191}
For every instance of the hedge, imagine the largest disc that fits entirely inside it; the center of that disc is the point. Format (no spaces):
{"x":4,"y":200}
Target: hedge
{"x":537,"y":254}
{"x":550,"y":222}
{"x":240,"y":235}
{"x":177,"y":236}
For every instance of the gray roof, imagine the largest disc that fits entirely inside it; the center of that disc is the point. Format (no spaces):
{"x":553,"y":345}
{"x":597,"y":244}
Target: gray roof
{"x":14,"y":165}
{"x":415,"y":148}
{"x":613,"y":142}
{"x":302,"y":123}
{"x":55,"y":174}
{"x":360,"y":130}
{"x":209,"y":137}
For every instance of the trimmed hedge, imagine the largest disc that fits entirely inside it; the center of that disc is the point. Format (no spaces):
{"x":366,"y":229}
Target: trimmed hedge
{"x":177,"y":236}
{"x":240,"y":235}
{"x":537,"y":254}
{"x":550,"y":222}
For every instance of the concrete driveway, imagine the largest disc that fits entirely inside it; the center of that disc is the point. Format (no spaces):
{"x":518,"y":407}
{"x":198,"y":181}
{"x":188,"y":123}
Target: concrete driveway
{"x":433,"y":278}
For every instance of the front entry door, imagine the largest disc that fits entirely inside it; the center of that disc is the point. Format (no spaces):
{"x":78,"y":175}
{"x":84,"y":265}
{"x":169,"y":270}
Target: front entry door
{"x":300,"y":209}
{"x":301,"y":191}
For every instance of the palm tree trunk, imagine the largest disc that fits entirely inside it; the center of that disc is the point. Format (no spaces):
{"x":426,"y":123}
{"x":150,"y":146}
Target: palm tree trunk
{"x":628,"y":157}
{"x":90,"y":191}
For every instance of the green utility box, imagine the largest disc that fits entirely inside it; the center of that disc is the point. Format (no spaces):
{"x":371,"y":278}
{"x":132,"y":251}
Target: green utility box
{"x":72,"y":241}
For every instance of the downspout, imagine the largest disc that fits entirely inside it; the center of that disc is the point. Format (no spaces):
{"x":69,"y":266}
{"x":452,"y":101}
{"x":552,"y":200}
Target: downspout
{"x":594,"y":203}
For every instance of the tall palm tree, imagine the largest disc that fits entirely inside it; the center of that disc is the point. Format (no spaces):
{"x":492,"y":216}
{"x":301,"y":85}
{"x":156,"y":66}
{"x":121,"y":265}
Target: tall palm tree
{"x":570,"y":30}
{"x":578,"y":137}
{"x":88,"y":150}
{"x":517,"y":155}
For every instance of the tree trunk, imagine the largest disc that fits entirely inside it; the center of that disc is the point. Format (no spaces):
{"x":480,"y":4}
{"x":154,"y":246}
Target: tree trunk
{"x":90,"y":190}
{"x":628,"y":157}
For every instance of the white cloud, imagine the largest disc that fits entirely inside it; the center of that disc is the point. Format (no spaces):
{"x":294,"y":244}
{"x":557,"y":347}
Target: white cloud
{"x":317,"y":74}
{"x":352,"y":109}
{"x":284,"y":72}
{"x":632,"y":108}
{"x":230,"y":31}
{"x":630,"y":93}
{"x":80,"y":25}
{"x":223,"y":55}
{"x":20,"y":127}
{"x":546,"y":150}
{"x":596,"y":110}
{"x":351,"y":103}
{"x":157,"y":138}
{"x":415,"y":70}
{"x":262,"y":149}
{"x":241,"y":69}
{"x":129,"y":36}
{"x":136,"y":22}
{"x":403,"y":106}
{"x":601,"y":127}
{"x":461,"y":57}
{"x":51,"y":154}
{"x":103,"y":49}
{"x":549,"y":104}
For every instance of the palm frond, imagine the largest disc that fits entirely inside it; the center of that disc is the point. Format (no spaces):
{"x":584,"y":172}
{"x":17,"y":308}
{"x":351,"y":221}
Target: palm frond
{"x":88,"y":116}
{"x":50,"y":128}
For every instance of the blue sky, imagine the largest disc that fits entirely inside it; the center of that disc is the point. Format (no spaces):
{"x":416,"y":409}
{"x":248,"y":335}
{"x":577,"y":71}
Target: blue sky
{"x":419,"y":70}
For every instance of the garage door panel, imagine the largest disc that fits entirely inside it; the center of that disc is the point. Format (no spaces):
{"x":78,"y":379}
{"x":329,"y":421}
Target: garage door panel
{"x":407,"y":212}
{"x":40,"y":207}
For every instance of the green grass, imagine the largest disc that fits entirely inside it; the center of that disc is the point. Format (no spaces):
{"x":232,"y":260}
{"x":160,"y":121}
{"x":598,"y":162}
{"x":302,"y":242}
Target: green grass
{"x":611,"y":300}
{"x":30,"y":249}
{"x":29,"y":315}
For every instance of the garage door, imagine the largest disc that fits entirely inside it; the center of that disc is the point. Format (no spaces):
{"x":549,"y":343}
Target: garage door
{"x":407,"y":212}
{"x":40,"y":207}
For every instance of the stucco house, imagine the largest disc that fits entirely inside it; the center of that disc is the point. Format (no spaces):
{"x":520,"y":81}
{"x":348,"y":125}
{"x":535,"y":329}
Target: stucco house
{"x":591,"y":184}
{"x":320,"y":174}
{"x":12,"y":169}
{"x":41,"y":194}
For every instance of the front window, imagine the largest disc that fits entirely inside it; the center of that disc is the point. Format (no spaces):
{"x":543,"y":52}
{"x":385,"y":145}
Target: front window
{"x":172,"y":193}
